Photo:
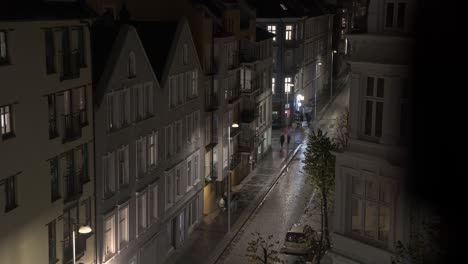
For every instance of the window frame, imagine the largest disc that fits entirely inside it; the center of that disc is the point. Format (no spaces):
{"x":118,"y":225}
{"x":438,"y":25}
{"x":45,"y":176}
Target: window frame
{"x":374,"y":99}
{"x":288,"y":32}
{"x":272,"y":29}
{"x":140,"y":228}
{"x":111,"y":217}
{"x":4,"y":60}
{"x":11,"y":193}
{"x":122,"y":243}
{"x":3,"y":126}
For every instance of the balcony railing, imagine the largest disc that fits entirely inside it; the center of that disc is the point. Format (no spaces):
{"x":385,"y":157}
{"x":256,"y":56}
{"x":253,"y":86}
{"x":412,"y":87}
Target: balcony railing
{"x":248,"y":116}
{"x":70,"y":65}
{"x":71,"y":126}
{"x":80,"y":247}
{"x":234,"y":161}
{"x":73,"y":185}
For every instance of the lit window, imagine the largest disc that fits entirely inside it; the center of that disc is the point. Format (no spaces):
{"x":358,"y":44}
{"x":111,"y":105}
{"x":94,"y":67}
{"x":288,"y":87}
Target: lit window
{"x":287,"y":85}
{"x":273,"y":85}
{"x":272,"y":29}
{"x":288,"y":35}
{"x":123,"y":226}
{"x":6,"y":120}
{"x":109,"y":237}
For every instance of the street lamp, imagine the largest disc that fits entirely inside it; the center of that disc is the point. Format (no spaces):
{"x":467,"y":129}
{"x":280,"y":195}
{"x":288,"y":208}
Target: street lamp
{"x":84,"y":229}
{"x":331,"y":74}
{"x":234,"y":125}
{"x":315,"y":90}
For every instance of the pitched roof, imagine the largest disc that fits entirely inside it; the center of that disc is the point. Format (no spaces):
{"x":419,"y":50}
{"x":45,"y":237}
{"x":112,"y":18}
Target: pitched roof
{"x":44,"y":10}
{"x":157,"y":38}
{"x":262,"y":34}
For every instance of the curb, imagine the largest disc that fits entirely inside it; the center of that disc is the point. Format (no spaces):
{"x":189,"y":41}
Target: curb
{"x":229,"y":238}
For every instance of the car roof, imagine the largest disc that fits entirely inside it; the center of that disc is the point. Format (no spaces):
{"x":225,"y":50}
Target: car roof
{"x":297,"y":228}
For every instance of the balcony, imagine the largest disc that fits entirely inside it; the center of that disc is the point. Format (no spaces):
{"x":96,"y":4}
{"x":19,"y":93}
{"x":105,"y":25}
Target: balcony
{"x":234,"y":161}
{"x":72,"y":127}
{"x":233,"y":96}
{"x":250,"y":89}
{"x":248,"y":116}
{"x":73,"y":185}
{"x":234,"y":63}
{"x":80,"y":247}
{"x":70,"y":65}
{"x":212,"y":174}
{"x":213,"y":141}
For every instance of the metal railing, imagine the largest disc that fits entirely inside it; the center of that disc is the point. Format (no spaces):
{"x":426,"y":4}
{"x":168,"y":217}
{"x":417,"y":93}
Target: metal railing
{"x":73,"y":184}
{"x":70,"y":63}
{"x":71,"y":126}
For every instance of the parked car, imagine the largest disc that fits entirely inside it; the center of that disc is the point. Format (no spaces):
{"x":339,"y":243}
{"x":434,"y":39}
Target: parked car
{"x":299,"y":239}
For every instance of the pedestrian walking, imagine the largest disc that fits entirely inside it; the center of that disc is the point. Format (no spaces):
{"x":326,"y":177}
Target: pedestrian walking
{"x":282,"y":140}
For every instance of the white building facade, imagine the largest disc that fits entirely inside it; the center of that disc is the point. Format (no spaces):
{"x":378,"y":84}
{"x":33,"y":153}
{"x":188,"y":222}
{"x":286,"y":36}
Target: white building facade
{"x":371,"y":206}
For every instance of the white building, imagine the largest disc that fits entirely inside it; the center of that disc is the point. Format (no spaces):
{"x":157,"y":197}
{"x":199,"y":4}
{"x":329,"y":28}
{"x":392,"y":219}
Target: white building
{"x":371,"y":206}
{"x":149,"y":141}
{"x":46,"y":141}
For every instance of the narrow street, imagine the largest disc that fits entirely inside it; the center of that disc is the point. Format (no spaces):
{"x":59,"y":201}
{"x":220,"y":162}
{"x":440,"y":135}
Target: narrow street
{"x":287,"y":200}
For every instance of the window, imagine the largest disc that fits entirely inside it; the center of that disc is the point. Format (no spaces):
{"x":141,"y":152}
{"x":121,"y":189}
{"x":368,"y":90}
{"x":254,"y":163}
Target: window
{"x":287,"y":85}
{"x":189,"y":121}
{"x":122,"y":166}
{"x":185,"y":54}
{"x":131,"y":65}
{"x":173,"y":91}
{"x":169,"y":189}
{"x":194,"y":86}
{"x":148,"y":99}
{"x":288,"y":35}
{"x":395,"y":14}
{"x":6,"y":120}
{"x":178,"y":182}
{"x":50,"y":51}
{"x":373,"y":103}
{"x":110,"y":111}
{"x":85,"y":170}
{"x":52,"y":235}
{"x":82,"y":106}
{"x":124,"y":107}
{"x":154,"y":202}
{"x":139,"y":102}
{"x":207,"y":130}
{"x":272,"y":29}
{"x":108,"y":172}
{"x":123,"y":226}
{"x":10,"y":193}
{"x":371,"y":201}
{"x":153,"y":149}
{"x":109,"y":237}
{"x":404,"y":113}
{"x":52,"y":116}
{"x":196,"y":125}
{"x":193,"y":212}
{"x":70,"y":216}
{"x":273,"y":85}
{"x":3,"y":47}
{"x":178,"y":135}
{"x":189,"y":173}
{"x":169,"y":142}
{"x":195,"y":170}
{"x":142,"y":216}
{"x":81,"y":47}
{"x":141,"y":158}
{"x":54,"y":180}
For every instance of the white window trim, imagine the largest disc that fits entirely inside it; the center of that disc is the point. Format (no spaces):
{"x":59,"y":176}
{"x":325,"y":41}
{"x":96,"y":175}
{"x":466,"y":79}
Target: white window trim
{"x":151,"y":204}
{"x":119,"y":232}
{"x":189,"y":183}
{"x":108,"y":257}
{"x":375,"y":100}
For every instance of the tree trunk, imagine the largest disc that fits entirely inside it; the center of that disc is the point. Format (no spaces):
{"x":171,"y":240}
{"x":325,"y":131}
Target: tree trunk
{"x":325,"y":219}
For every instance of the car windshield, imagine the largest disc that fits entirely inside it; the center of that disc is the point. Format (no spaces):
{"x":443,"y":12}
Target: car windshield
{"x":295,"y":237}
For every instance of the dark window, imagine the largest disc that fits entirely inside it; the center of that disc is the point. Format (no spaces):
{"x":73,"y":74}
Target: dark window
{"x":370,"y":86}
{"x":380,"y":87}
{"x":6,"y":121}
{"x":82,"y":106}
{"x":52,"y":243}
{"x":10,"y":193}
{"x":81,"y":47}
{"x":368,"y":121}
{"x":55,"y":180}
{"x":85,"y":175}
{"x":52,"y":116}
{"x":389,"y":18}
{"x":3,"y":47}
{"x":50,"y":51}
{"x":378,"y":119}
{"x":401,"y":15}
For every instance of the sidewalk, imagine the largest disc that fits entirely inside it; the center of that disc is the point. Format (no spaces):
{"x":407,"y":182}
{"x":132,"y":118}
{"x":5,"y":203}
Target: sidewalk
{"x":208,"y":241}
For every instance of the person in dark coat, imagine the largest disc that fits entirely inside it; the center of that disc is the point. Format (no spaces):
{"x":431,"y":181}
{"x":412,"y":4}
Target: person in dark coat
{"x":282,"y":140}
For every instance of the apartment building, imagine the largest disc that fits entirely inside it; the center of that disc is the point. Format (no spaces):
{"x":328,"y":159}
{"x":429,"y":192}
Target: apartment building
{"x":46,"y":143}
{"x":149,"y":150}
{"x":371,"y":206}
{"x":301,"y":54}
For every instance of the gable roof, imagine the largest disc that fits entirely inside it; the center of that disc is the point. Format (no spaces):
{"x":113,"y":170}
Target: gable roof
{"x":157,"y":39}
{"x":262,"y":34}
{"x":44,"y":10}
